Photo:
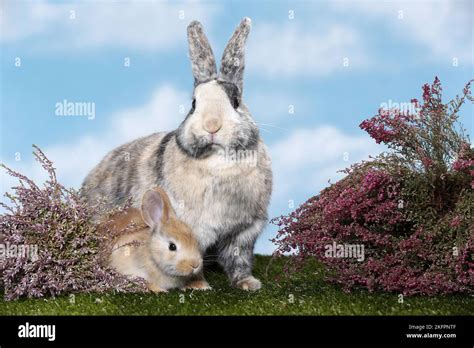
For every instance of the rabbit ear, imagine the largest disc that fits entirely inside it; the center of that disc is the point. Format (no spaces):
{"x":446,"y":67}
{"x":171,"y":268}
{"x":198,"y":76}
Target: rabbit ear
{"x":168,"y":211}
{"x":200,"y":52}
{"x":152,"y":208}
{"x":156,"y":207}
{"x":233,"y":59}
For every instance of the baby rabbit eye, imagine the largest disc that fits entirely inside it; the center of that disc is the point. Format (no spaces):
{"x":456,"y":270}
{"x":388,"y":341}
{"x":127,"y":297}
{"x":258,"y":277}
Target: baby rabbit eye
{"x":193,"y":105}
{"x":172,"y":247}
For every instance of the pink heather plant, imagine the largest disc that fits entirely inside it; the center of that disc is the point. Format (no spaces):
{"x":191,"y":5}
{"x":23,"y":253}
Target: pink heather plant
{"x":70,"y":249}
{"x":411,"y":208}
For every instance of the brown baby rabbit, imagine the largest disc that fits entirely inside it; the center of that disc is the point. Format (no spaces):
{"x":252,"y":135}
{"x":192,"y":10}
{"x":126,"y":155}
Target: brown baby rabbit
{"x":160,"y":249}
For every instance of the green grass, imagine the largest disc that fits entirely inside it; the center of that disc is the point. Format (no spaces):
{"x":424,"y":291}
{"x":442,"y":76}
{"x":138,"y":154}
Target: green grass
{"x":304,"y":293}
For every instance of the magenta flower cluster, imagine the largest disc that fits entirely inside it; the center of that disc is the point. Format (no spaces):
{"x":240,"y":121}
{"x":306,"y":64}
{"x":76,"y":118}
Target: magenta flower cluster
{"x":411,"y":208}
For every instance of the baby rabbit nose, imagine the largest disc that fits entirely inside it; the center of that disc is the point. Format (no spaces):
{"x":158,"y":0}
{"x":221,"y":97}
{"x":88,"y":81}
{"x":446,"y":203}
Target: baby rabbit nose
{"x":212,"y":125}
{"x":196,"y":264}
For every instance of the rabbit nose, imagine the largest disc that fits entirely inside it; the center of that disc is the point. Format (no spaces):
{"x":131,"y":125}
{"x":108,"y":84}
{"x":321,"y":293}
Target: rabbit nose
{"x":212,"y":125}
{"x":196,"y":264}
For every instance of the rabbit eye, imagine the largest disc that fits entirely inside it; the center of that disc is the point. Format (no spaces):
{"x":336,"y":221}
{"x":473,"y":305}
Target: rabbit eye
{"x":172,"y":247}
{"x":235,"y":102}
{"x":193,"y":105}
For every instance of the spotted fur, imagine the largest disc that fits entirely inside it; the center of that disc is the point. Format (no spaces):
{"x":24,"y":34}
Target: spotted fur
{"x":233,"y":59}
{"x":203,"y":62}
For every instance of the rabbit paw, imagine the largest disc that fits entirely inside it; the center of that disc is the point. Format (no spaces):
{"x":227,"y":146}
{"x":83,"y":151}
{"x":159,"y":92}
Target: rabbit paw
{"x":199,"y":284}
{"x":249,"y":283}
{"x":156,"y":289}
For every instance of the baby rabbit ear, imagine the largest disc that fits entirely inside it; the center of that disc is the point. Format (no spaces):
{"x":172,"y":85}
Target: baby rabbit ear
{"x":233,"y":59}
{"x":202,"y":59}
{"x":156,"y":207}
{"x":153,"y":208}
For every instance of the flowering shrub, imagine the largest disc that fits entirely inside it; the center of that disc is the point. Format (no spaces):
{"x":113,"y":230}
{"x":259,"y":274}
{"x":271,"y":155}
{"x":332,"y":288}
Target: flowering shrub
{"x":66,"y":251}
{"x":410,"y":208}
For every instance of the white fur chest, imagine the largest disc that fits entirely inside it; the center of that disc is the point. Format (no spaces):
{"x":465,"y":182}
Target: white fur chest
{"x":215,"y":201}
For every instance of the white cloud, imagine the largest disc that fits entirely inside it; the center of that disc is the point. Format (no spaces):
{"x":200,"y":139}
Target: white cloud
{"x":291,"y":50}
{"x":19,"y":20}
{"x":442,"y":27}
{"x":75,"y":159}
{"x":304,"y":161}
{"x":134,"y":24}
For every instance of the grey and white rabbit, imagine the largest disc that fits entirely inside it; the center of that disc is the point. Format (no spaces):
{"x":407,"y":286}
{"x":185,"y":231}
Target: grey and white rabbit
{"x":223,"y":198}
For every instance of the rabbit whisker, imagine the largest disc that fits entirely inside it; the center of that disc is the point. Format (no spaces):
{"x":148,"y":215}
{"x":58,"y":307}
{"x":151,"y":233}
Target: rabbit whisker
{"x":266,"y":130}
{"x":272,"y":125}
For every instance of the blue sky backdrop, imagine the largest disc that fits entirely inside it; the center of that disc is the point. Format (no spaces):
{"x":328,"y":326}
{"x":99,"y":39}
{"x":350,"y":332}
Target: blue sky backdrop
{"x":334,"y":63}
